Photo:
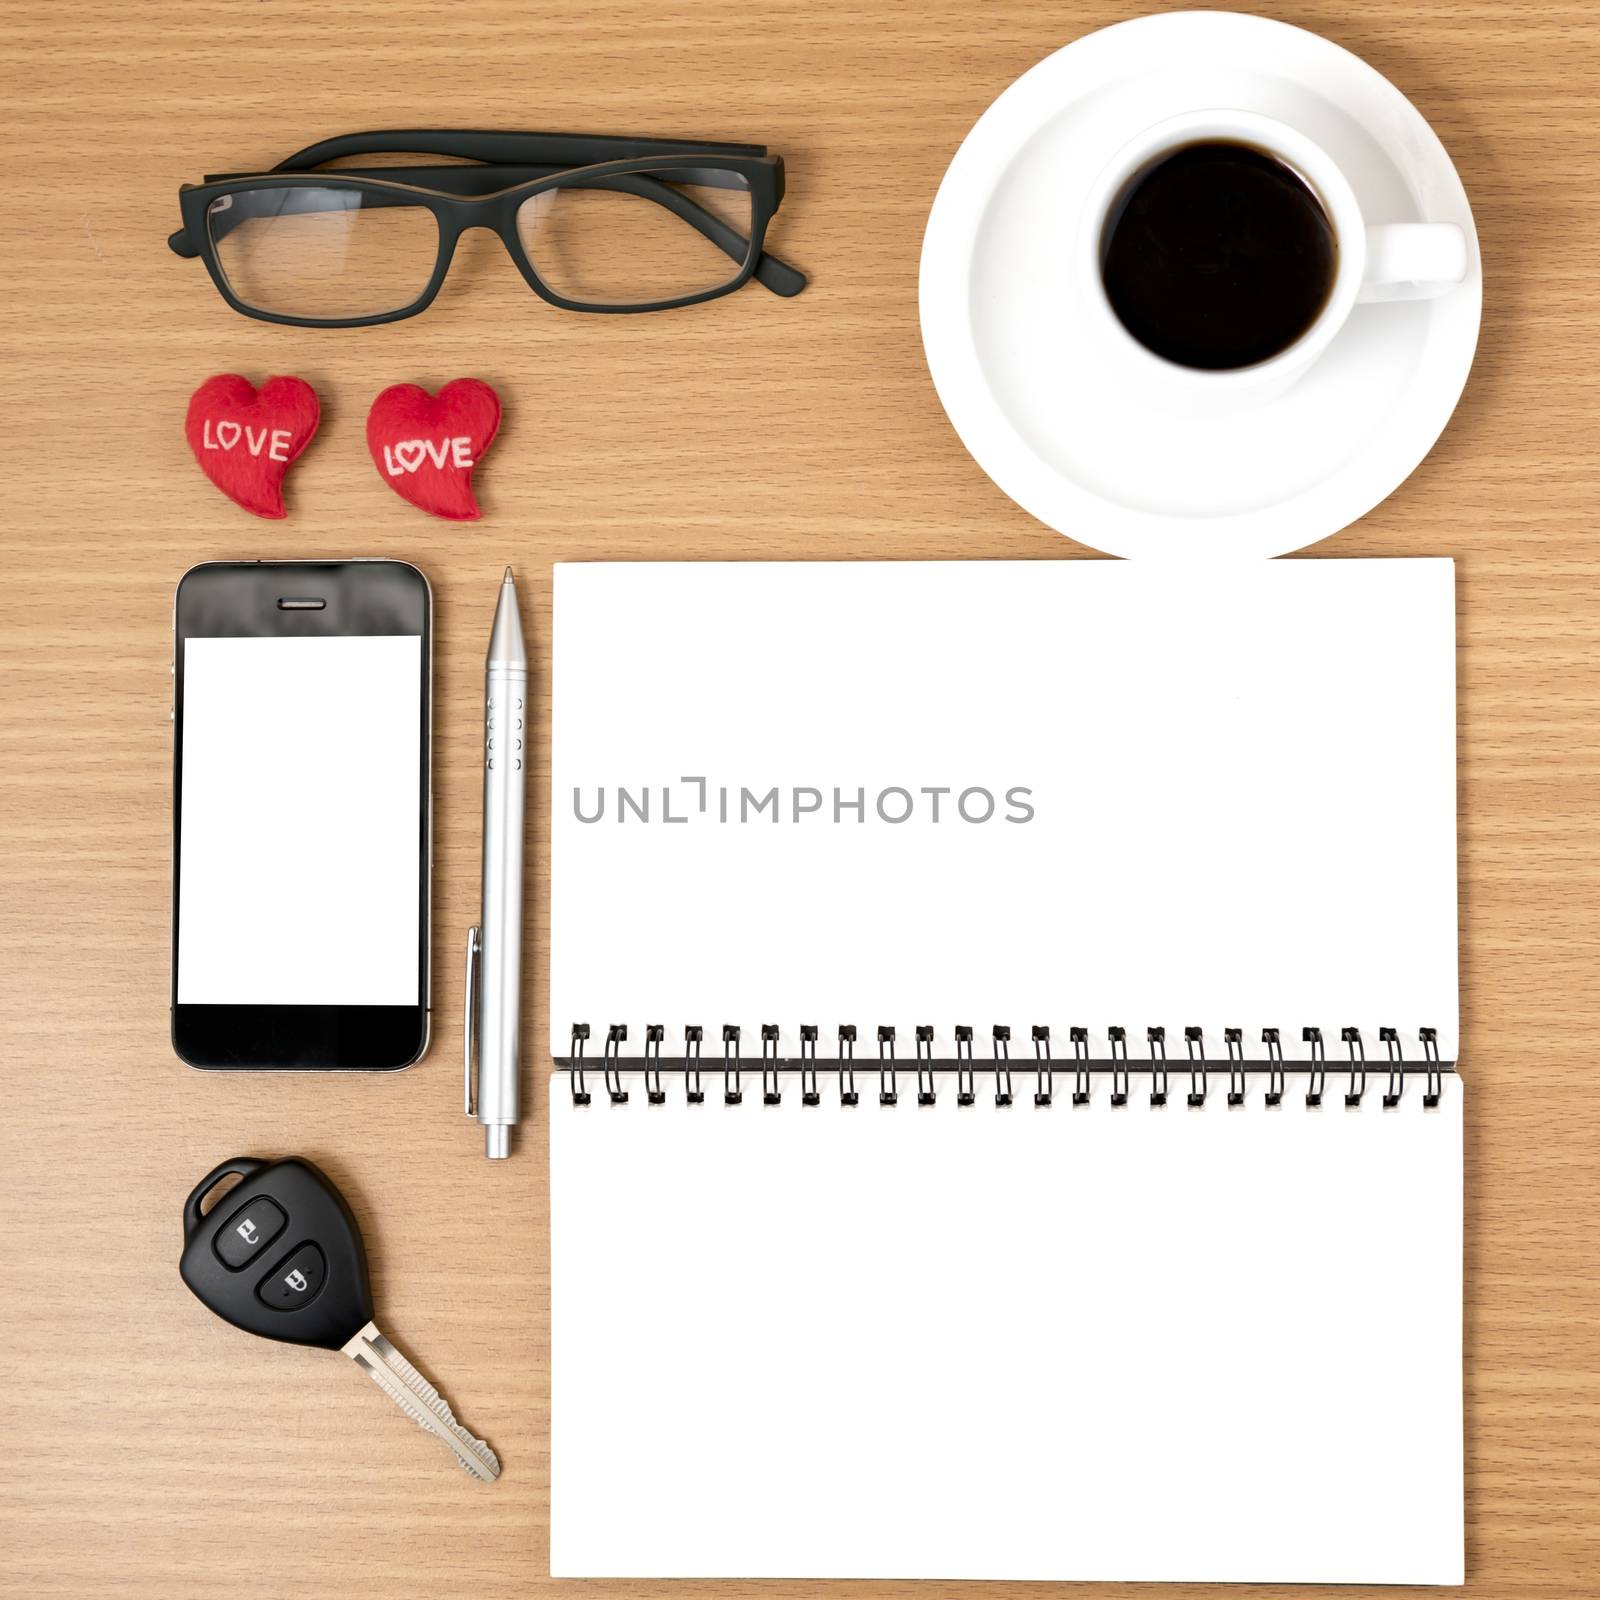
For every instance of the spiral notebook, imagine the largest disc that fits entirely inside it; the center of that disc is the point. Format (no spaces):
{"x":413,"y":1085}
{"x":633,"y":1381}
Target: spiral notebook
{"x":1005,"y":1121}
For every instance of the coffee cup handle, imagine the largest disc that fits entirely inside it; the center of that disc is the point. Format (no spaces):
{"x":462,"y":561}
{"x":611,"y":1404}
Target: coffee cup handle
{"x":1413,"y":260}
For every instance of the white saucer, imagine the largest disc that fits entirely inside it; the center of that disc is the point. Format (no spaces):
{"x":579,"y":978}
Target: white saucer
{"x":1000,"y":321}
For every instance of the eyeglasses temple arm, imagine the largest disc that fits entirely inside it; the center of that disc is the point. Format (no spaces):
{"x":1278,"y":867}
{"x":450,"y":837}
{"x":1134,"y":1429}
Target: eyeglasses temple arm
{"x":505,"y":149}
{"x":779,"y":276}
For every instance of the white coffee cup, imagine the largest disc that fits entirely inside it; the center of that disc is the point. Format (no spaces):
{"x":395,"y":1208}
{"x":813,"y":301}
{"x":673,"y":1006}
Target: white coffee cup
{"x":1391,"y":261}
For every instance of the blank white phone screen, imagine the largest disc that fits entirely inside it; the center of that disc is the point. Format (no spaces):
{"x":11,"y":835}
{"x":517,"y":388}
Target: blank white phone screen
{"x":299,"y":842}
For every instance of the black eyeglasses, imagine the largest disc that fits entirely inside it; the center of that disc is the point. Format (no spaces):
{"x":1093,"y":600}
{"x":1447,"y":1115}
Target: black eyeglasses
{"x":593,"y":223}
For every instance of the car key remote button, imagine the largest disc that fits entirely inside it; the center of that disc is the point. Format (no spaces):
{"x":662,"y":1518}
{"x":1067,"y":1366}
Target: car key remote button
{"x":294,"y":1283}
{"x":249,"y":1231}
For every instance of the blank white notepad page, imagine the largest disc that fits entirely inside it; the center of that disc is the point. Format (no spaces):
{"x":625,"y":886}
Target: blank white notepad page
{"x":1241,"y":785}
{"x":967,"y":1342}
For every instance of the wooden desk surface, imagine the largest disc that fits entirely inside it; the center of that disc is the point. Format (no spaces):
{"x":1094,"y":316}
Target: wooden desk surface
{"x":151,"y":1451}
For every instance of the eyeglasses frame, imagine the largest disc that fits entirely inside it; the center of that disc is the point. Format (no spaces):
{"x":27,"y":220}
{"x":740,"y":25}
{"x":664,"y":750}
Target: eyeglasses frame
{"x":499,"y":156}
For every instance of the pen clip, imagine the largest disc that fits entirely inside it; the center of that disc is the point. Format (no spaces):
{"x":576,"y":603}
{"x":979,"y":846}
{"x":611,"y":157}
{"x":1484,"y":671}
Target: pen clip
{"x":474,"y":955}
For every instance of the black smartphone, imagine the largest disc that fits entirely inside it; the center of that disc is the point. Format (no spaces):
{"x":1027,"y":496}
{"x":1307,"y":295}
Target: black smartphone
{"x":302,"y":814}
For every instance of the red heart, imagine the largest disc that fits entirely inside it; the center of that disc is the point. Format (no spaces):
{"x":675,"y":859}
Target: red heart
{"x":425,"y":446}
{"x":246,"y":439}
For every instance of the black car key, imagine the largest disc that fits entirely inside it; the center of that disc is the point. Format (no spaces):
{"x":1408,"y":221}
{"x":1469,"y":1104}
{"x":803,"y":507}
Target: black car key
{"x":281,"y":1256}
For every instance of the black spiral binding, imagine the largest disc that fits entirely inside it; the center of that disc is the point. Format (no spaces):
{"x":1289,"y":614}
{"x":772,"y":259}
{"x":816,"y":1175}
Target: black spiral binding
{"x":927,"y":1092}
{"x":693,"y":1037}
{"x":654,"y":1034}
{"x":966,"y":1090}
{"x":1397,"y":1074}
{"x":1080,"y":1070}
{"x":1119,"y":1072}
{"x":847,"y":1064}
{"x":1044,"y":1087}
{"x":1157,"y":1038}
{"x":1313,"y":1037}
{"x":1358,"y":1067}
{"x":1234,"y":1039}
{"x":1002,"y":1066}
{"x":928,"y":1065}
{"x":1435,"y":1084}
{"x":771,"y":1093}
{"x":809,"y":1094}
{"x":888,"y":1079}
{"x":615,"y":1035}
{"x":1195,"y":1041}
{"x":580,"y":1089}
{"x":1269,"y":1037}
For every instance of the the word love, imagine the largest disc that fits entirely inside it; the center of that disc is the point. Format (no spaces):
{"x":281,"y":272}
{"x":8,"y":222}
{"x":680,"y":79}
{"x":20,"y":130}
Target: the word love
{"x":426,"y":445}
{"x":245,"y":438}
{"x":225,"y":435}
{"x":410,"y":454}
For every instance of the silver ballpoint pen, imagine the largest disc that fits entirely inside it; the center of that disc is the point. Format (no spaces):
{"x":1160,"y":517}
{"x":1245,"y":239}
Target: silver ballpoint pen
{"x":494,"y":947}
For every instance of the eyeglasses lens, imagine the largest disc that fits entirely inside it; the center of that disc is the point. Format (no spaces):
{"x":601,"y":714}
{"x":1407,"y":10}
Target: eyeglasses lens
{"x":326,"y":253}
{"x":640,"y":237}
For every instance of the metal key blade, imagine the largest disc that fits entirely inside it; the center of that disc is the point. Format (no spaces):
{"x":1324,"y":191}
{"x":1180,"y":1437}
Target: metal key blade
{"x":420,"y":1401}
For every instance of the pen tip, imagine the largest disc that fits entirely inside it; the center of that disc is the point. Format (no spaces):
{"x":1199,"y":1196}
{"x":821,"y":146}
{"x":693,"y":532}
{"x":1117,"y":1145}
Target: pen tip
{"x":508,"y":578}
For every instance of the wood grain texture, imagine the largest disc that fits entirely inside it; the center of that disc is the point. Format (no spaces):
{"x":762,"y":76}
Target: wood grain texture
{"x":153,"y":1452}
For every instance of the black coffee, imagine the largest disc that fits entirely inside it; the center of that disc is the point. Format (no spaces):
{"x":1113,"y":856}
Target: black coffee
{"x":1217,"y":255}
